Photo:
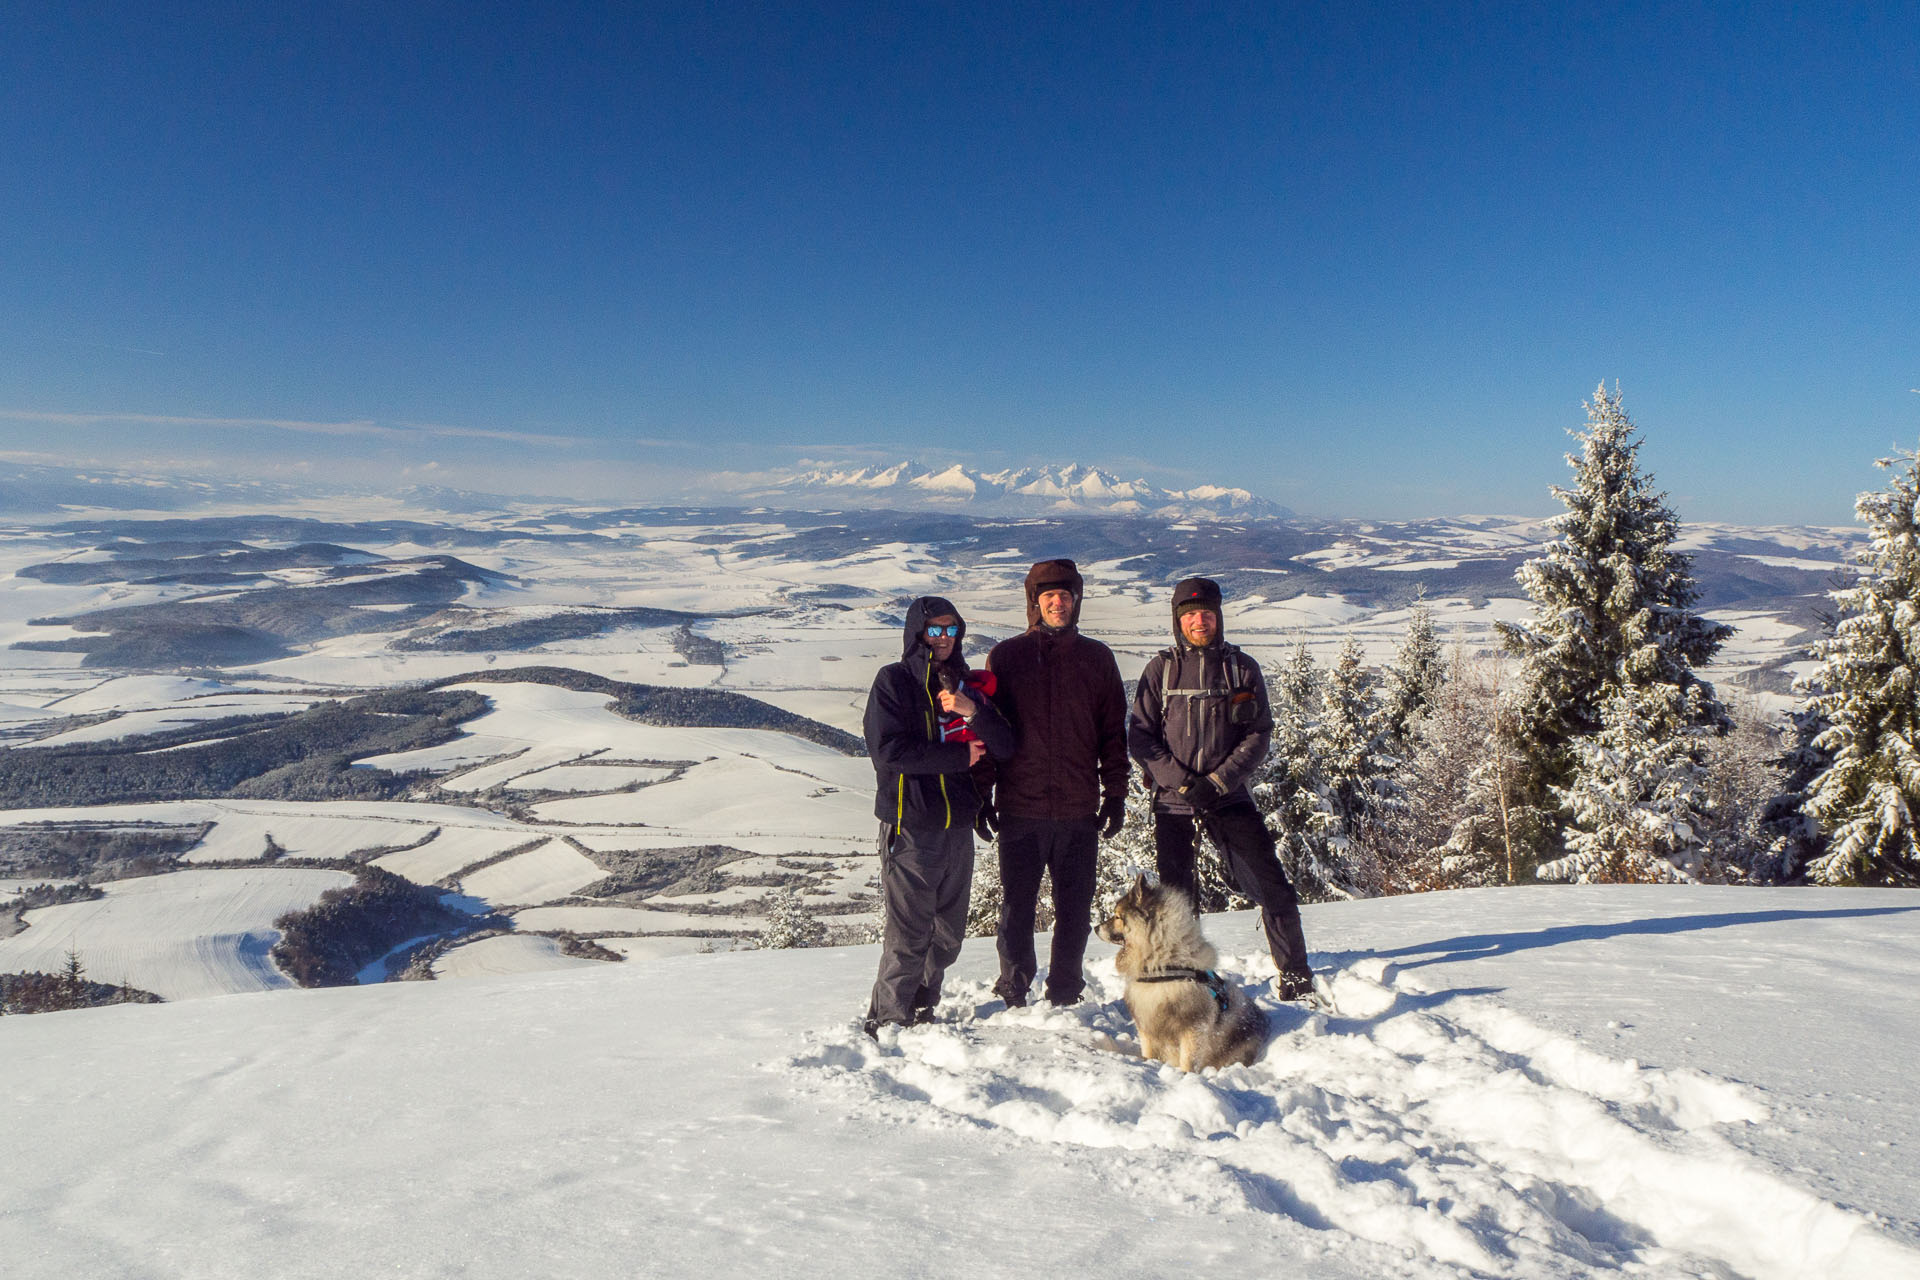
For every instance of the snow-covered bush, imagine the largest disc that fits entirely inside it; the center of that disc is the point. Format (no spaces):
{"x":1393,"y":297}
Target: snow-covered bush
{"x":1447,"y":831}
{"x":789,"y":923}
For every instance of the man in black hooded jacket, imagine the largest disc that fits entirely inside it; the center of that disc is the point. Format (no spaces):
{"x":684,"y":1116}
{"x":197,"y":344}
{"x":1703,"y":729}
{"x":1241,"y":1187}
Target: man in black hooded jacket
{"x":928,"y":721}
{"x":1064,"y":790}
{"x":1200,"y":727}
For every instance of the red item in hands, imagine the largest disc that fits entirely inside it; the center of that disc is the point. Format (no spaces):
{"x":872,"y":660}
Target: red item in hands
{"x":975,"y":685}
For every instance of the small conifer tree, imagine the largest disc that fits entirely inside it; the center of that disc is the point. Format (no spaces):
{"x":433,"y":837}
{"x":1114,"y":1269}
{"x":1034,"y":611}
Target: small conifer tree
{"x":1357,"y":790}
{"x":1415,"y":678}
{"x":1286,"y":788}
{"x":1447,"y":832}
{"x":1867,"y":799}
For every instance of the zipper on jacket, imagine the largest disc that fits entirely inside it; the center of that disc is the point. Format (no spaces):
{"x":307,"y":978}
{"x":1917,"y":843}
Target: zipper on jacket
{"x":933,"y":734}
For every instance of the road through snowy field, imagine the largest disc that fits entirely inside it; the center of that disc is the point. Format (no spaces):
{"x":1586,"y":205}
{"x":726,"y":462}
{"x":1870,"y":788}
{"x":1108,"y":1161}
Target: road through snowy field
{"x":1471,"y":1107}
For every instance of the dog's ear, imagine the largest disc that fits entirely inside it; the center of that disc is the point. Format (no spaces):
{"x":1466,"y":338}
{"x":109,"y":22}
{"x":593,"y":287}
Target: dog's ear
{"x":1140,"y":887}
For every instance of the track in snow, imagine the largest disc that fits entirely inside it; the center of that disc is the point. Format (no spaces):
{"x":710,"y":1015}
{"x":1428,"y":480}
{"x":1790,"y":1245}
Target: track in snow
{"x":1442,"y":1132}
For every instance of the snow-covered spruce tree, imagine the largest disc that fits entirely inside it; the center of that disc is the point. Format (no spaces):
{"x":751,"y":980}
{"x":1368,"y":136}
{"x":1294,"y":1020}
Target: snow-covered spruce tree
{"x":1414,"y":680}
{"x":1867,"y":800}
{"x":1612,"y":611}
{"x":789,"y":923}
{"x":1286,"y":788}
{"x":1129,"y":853}
{"x":1325,"y":779}
{"x":983,"y":904}
{"x":1794,"y":838}
{"x":1357,"y":761}
{"x":1638,"y":796}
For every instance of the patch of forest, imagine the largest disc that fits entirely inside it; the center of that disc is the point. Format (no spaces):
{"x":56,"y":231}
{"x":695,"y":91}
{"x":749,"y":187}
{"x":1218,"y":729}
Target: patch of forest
{"x":196,"y":561}
{"x":329,"y":943}
{"x":678,"y":707}
{"x":305,"y":756}
{"x":228,"y":628}
{"x":633,"y":875}
{"x":68,"y":989}
{"x":531,"y":633}
{"x":92,"y":850}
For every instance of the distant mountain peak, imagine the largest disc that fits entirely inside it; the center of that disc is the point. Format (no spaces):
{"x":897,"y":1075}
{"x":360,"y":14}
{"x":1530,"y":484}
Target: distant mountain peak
{"x":1064,"y":489}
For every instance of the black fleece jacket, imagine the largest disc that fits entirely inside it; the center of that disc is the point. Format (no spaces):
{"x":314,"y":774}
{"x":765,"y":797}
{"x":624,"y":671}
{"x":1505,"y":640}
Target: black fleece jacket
{"x":921,"y":782}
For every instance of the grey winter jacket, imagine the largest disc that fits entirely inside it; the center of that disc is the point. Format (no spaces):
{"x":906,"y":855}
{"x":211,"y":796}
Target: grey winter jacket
{"x":1199,"y":713}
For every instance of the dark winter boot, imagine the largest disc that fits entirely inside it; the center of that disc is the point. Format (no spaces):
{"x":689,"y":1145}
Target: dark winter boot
{"x":1294,"y":986}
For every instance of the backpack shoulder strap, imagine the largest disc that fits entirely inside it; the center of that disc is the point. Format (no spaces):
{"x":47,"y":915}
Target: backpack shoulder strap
{"x":1235,"y":671}
{"x":1167,"y":659}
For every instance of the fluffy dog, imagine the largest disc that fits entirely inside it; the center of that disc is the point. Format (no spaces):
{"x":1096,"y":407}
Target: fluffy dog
{"x":1187,"y":1014}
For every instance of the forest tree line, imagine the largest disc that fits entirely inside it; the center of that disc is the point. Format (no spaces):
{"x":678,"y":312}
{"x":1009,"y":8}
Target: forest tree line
{"x":1589,"y":749}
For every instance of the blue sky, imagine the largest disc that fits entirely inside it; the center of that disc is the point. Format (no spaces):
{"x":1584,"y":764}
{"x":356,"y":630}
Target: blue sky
{"x":1363,"y":260}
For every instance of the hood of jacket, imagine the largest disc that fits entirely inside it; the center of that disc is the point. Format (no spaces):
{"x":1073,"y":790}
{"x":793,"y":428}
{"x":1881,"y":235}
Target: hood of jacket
{"x":1053,"y":573}
{"x":919,"y":613}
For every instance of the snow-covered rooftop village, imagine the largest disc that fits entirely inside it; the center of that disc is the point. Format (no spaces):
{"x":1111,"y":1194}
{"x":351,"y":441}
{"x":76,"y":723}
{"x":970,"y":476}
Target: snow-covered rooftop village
{"x":959,"y":640}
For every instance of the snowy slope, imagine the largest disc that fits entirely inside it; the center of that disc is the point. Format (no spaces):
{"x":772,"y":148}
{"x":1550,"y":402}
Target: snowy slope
{"x":1526,"y":1083}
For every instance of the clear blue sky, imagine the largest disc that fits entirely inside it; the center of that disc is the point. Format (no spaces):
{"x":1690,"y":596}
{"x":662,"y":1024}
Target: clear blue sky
{"x":1363,"y":260}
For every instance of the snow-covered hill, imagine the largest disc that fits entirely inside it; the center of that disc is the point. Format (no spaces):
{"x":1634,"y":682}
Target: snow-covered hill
{"x":1066,"y":489}
{"x":1561,"y":1082}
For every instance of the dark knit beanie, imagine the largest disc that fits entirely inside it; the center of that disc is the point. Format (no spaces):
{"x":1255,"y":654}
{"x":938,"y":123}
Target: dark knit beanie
{"x":1196,"y":593}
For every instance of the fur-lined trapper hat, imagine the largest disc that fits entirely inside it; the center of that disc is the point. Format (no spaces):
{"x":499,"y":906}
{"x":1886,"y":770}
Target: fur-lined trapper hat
{"x":1053,"y":575}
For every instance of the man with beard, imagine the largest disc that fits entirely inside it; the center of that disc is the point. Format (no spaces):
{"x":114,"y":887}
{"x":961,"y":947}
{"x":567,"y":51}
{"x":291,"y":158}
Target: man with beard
{"x":928,"y":721}
{"x":1200,"y":727}
{"x":1064,"y":788}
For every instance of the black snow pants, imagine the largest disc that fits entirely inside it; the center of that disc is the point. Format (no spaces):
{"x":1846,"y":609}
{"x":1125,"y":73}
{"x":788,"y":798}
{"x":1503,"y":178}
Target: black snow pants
{"x":1067,"y":850}
{"x":925,"y":880}
{"x":1252,"y":866}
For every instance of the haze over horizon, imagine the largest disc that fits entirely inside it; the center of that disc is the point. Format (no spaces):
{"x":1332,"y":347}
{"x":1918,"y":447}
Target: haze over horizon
{"x":1360,"y":260}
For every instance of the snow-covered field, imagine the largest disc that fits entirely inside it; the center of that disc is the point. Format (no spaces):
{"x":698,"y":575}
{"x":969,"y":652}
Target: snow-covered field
{"x":191,"y":933}
{"x":1533,"y":1083}
{"x":1555,"y":1082}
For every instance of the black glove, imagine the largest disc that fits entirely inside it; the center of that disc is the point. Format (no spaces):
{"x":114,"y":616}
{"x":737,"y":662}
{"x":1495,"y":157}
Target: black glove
{"x":1113,"y":816}
{"x":986,"y":823}
{"x":1201,"y":794}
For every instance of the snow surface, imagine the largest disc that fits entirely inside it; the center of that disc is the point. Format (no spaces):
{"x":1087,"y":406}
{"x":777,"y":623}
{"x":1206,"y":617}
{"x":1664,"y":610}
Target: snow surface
{"x":1658,"y":1081}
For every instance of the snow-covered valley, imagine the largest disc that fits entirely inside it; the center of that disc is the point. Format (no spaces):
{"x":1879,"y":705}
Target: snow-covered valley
{"x":654,"y":725}
{"x":528,"y":806}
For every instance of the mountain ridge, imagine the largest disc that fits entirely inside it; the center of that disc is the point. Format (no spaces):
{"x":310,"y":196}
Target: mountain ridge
{"x":1060,"y":489}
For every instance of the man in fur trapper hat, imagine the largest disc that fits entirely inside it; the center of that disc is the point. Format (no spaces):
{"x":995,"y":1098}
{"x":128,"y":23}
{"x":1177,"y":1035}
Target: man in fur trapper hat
{"x":929,"y":720}
{"x":1200,"y":727}
{"x":1066,"y":785}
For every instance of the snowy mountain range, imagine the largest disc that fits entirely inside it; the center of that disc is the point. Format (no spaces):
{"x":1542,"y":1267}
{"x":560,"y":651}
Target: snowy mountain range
{"x":1066,"y":489}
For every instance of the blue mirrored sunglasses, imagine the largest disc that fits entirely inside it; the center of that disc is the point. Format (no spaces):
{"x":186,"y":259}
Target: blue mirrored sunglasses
{"x":934,"y":633}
